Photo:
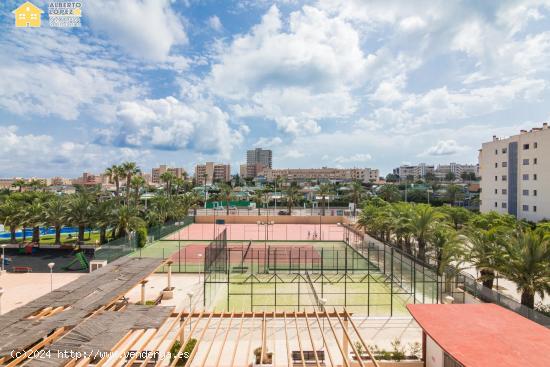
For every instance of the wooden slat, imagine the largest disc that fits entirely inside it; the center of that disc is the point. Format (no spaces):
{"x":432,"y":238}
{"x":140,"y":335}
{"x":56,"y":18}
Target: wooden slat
{"x":342,"y":352}
{"x":36,"y":347}
{"x":288,"y":353}
{"x":250,"y":340}
{"x":346,"y":334}
{"x":237,"y":341}
{"x":324,"y":339}
{"x":115,"y":347}
{"x":199,"y":340}
{"x":184,"y":342}
{"x":228,"y":329}
{"x":206,"y":355}
{"x":365,"y":345}
{"x":312,"y":342}
{"x":299,"y":340}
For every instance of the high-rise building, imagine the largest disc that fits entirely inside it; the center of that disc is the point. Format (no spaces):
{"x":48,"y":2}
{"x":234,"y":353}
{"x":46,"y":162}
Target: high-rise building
{"x":156,"y":172}
{"x":515,"y":174}
{"x":214,"y":172}
{"x":256,"y":160}
{"x":324,"y":173}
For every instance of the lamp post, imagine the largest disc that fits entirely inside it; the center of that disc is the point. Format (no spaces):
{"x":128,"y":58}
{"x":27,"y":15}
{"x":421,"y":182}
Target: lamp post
{"x":51,"y":265}
{"x":1,"y":293}
{"x":3,"y":257}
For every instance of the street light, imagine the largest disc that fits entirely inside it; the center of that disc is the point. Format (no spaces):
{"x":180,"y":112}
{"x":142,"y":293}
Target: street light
{"x":3,"y":257}
{"x":51,"y":265}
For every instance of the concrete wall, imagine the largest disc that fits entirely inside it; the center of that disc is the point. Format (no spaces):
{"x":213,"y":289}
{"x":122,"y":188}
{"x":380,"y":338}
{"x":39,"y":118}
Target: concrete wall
{"x":434,"y":354}
{"x":279,"y":219}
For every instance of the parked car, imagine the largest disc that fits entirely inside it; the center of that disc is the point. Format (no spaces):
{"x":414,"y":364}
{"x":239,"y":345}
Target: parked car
{"x":283,"y":212}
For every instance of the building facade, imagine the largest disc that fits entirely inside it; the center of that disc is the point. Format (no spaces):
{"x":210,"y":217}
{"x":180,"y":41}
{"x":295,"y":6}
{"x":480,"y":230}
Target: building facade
{"x":256,"y":160}
{"x":213,"y":172}
{"x":420,"y":171}
{"x":323,"y":174}
{"x":157,"y":172}
{"x":515,"y":174}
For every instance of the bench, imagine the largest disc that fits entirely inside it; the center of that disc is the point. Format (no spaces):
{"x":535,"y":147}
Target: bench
{"x":309,"y":356}
{"x":21,"y":269}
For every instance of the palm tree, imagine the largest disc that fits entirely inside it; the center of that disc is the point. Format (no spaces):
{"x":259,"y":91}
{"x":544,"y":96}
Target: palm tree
{"x":454,"y":192}
{"x":168,"y":178}
{"x":258,"y":198}
{"x":389,"y":193}
{"x":55,"y":210}
{"x":115,"y":173}
{"x":103,"y":213}
{"x":456,"y":215}
{"x":527,"y":263}
{"x":137,"y":184}
{"x":485,"y":251}
{"x":226,"y":191}
{"x":422,"y":224}
{"x":293,"y":196}
{"x":34,"y":214}
{"x":80,"y":213}
{"x":19,"y":183}
{"x":356,"y":194}
{"x":130,"y":169}
{"x":448,"y":248}
{"x":127,"y":220}
{"x":10,"y":217}
{"x":325,"y":190}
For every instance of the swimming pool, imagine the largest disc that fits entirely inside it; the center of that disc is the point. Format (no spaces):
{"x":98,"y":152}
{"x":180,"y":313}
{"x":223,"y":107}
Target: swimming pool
{"x":44,"y":231}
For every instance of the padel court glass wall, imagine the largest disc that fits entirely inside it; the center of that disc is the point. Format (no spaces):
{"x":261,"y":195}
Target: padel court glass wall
{"x":364,"y":277}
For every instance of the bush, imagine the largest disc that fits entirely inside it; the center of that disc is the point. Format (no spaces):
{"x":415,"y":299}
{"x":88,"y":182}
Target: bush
{"x":182,"y":359}
{"x":141,"y":237}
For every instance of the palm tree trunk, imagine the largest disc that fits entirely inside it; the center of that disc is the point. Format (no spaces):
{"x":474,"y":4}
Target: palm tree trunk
{"x":36,"y":234}
{"x":528,"y":299}
{"x":102,"y":235}
{"x":117,"y":187}
{"x":57,"y":235}
{"x":487,"y":278}
{"x":422,"y":250}
{"x":81,"y":233}
{"x":12,"y":234}
{"x":24,"y":234}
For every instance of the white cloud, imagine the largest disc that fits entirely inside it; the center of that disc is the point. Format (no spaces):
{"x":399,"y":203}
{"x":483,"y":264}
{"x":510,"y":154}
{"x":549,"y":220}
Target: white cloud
{"x":171,"y":124}
{"x":144,"y":28}
{"x":443,"y":148}
{"x":293,"y":153}
{"x":411,"y":24}
{"x":268,"y":142}
{"x":215,"y":23}
{"x":357,"y":158}
{"x":308,"y":70}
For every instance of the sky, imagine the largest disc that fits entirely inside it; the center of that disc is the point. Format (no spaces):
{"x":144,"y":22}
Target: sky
{"x":342,"y":83}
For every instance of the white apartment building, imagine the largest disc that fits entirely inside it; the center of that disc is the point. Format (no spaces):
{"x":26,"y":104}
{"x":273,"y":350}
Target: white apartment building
{"x":330,"y":174}
{"x":515,"y":174}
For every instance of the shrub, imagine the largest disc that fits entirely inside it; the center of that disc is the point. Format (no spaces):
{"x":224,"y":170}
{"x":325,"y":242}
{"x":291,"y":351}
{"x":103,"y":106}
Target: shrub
{"x":141,"y":237}
{"x":182,"y":359}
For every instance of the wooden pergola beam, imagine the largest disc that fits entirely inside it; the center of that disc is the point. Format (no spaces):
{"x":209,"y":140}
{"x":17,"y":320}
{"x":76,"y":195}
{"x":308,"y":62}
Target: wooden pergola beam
{"x":34,"y":348}
{"x":365,"y":345}
{"x":260,"y":314}
{"x":228,"y":329}
{"x":342,"y":352}
{"x":299,"y":341}
{"x":237,"y":341}
{"x":346,"y":334}
{"x":220,"y":320}
{"x":288,"y":354}
{"x":324,"y":339}
{"x":312,"y":342}
{"x":199,"y":340}
{"x":185,"y":341}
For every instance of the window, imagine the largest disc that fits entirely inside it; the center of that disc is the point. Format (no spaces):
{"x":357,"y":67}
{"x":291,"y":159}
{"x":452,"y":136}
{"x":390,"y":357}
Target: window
{"x":496,"y":165}
{"x":526,"y":162}
{"x":496,"y":151}
{"x":525,"y":192}
{"x":504,"y":177}
{"x":535,"y":160}
{"x":504,"y":150}
{"x":504,"y":191}
{"x":496,"y":191}
{"x":535,"y":145}
{"x":534,"y":208}
{"x":526,"y":177}
{"x":504,"y":164}
{"x":525,"y":208}
{"x":503,"y":205}
{"x":496,"y":178}
{"x":535,"y":176}
{"x":496,"y":204}
{"x":525,"y":146}
{"x":534,"y":192}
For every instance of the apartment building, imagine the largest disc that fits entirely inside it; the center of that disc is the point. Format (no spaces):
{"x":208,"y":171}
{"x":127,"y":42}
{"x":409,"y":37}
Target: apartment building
{"x":256,"y":160}
{"x":157,"y":172}
{"x":214,"y":172}
{"x":323,"y":174}
{"x":422,"y":169}
{"x":91,"y":179}
{"x":515,"y":174}
{"x":443,"y":170}
{"x":416,"y":171}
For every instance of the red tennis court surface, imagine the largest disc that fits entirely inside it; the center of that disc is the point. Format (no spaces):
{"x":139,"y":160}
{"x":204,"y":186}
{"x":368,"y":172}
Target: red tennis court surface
{"x":255,"y":232}
{"x":292,"y":253}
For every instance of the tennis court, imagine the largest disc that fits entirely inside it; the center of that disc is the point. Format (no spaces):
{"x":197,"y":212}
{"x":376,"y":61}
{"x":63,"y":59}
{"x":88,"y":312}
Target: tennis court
{"x":260,"y":232}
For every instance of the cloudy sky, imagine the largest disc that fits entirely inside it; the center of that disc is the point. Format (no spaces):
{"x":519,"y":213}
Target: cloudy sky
{"x":338,"y":83}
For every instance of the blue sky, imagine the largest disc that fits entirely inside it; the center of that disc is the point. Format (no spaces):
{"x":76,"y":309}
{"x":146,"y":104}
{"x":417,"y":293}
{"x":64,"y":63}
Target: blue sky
{"x":343,"y":83}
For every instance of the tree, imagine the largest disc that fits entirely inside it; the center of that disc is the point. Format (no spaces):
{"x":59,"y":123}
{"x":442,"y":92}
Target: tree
{"x":126,"y":220}
{"x":104,"y":217}
{"x":485,"y":251}
{"x":389,"y":193}
{"x":457,"y":216}
{"x":34,"y":217}
{"x":422,"y":224}
{"x":454,"y":192}
{"x":292,"y":196}
{"x":10,"y":217}
{"x":356,"y":194}
{"x":391,"y":177}
{"x":129,"y":169}
{"x":80,"y":213}
{"x":527,"y":263}
{"x":227,"y":192}
{"x":258,"y":198}
{"x":168,"y":178}
{"x":55,"y":210}
{"x":19,"y":183}
{"x":115,"y":173}
{"x":447,"y":247}
{"x":450,"y":177}
{"x":137,"y":184}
